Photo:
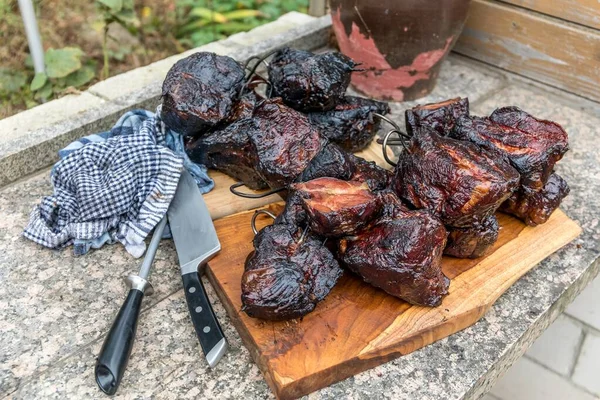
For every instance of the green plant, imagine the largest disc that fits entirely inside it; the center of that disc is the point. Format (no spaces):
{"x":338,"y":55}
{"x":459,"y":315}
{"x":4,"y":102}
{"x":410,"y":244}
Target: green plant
{"x":121,"y":12}
{"x":66,"y":67}
{"x":203,"y":21}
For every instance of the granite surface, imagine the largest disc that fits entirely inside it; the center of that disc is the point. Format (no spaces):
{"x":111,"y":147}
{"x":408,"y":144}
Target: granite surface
{"x":55,"y":308}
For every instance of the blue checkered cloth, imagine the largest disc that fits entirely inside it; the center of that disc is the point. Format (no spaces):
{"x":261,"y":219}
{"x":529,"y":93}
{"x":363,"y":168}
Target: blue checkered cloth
{"x":114,"y":186}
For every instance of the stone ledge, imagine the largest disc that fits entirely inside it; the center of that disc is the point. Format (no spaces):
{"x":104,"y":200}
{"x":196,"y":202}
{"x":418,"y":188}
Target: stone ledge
{"x":30,"y":140}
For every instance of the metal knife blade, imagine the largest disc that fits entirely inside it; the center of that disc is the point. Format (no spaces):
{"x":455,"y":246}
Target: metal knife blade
{"x":191,"y":225}
{"x":196,"y":242}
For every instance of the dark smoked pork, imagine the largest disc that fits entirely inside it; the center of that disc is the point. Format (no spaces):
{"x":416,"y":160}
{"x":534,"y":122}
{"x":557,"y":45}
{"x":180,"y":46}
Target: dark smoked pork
{"x":285,"y":142}
{"x":284,"y":277}
{"x":332,"y":162}
{"x":458,"y":181}
{"x":474,"y":241}
{"x":401,"y":253}
{"x":230,"y":151}
{"x":310,"y":82}
{"x":536,"y":207}
{"x":199,"y":91}
{"x":533,"y":152}
{"x":351,"y":123}
{"x":369,"y":172}
{"x":441,"y":117}
{"x":337,"y":208}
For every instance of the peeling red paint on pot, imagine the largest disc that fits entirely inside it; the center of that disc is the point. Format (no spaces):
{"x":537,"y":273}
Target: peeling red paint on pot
{"x":400,"y":44}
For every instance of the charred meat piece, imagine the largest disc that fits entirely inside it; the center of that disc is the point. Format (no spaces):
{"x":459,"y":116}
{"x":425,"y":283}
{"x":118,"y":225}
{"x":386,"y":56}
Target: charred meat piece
{"x":331,"y":162}
{"x":199,"y":91}
{"x":337,"y":208}
{"x":367,"y":171}
{"x":519,"y":119}
{"x":285,"y":142}
{"x":458,"y":181}
{"x":441,"y":117}
{"x":351,"y":123}
{"x":243,"y":108}
{"x":472,"y":242}
{"x":310,"y":82}
{"x":401,"y":255}
{"x":533,"y":152}
{"x":536,"y":207}
{"x":230,"y":151}
{"x":284,"y":277}
{"x":293,"y":213}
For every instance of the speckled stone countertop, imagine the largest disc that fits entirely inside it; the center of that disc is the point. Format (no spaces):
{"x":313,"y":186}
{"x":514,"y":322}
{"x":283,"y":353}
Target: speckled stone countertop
{"x":55,"y":309}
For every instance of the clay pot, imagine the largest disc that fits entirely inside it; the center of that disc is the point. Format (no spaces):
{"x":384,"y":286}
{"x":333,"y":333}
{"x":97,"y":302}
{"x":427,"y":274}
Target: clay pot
{"x":400,"y":43}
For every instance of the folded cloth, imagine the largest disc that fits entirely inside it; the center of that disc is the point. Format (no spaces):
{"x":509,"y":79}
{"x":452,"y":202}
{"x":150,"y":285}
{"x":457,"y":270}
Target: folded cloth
{"x":113,"y":186}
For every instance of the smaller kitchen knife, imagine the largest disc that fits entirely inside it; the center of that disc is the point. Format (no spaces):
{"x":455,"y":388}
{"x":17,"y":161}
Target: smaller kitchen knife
{"x":196,"y":242}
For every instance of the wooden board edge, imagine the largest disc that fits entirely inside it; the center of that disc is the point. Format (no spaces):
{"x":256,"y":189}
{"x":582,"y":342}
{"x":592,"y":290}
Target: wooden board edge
{"x":245,"y":335}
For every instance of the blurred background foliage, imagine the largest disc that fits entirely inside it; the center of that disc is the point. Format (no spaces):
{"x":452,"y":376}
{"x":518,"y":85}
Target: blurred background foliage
{"x":86,"y":41}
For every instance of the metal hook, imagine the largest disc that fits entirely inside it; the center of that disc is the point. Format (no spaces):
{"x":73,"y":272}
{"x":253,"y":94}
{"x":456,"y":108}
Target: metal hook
{"x":395,"y":125}
{"x":385,"y":144}
{"x":303,"y":236}
{"x":256,"y":214}
{"x":233,"y":190}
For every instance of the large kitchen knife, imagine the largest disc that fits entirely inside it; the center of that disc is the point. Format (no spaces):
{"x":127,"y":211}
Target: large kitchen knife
{"x":196,"y":242}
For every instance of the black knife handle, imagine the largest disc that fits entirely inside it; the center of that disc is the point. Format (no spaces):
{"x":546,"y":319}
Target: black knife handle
{"x":117,"y":346}
{"x":204,"y":319}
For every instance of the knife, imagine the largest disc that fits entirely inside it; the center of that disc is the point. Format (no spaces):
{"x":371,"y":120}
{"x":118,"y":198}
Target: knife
{"x":196,"y":242}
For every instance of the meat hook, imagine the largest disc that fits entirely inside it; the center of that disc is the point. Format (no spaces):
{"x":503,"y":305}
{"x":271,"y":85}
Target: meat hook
{"x":256,"y":214}
{"x":233,"y":190}
{"x":401,"y":135}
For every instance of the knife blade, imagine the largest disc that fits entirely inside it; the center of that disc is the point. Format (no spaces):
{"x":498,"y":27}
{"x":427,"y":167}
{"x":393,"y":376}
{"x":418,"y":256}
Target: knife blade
{"x":196,"y":242}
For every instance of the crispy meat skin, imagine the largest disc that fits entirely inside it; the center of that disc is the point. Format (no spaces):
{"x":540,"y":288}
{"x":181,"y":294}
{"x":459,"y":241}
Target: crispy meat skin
{"x":533,"y":152}
{"x":230,"y":151}
{"x":368,"y":171}
{"x":472,"y":242}
{"x":536,"y":207}
{"x":337,"y":208}
{"x":332,"y":162}
{"x":458,"y":181}
{"x":441,"y":117}
{"x":284,"y":279}
{"x":400,"y":253}
{"x":309,"y":82}
{"x":285,"y":142}
{"x":351,"y":123}
{"x":198,"y":92}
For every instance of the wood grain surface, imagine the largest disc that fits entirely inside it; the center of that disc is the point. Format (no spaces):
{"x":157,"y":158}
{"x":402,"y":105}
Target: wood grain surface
{"x":584,"y":12}
{"x":542,"y":48}
{"x":358,"y":326}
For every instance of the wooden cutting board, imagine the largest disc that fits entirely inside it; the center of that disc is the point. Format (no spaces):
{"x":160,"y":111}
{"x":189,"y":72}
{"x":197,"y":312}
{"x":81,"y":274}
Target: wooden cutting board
{"x":358,"y":326}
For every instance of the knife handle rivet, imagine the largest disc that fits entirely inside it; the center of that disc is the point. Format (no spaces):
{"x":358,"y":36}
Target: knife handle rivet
{"x":192,"y":289}
{"x":198,"y":309}
{"x":206,"y":329}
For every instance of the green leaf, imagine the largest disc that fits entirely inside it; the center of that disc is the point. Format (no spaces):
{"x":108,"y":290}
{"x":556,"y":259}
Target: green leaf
{"x":12,"y":81}
{"x":80,"y":77}
{"x":208,"y":14}
{"x":38,"y":81}
{"x":45,"y":92}
{"x":62,"y":62}
{"x":242,"y":14}
{"x":114,"y":5}
{"x":234,"y":27}
{"x":202,"y":37}
{"x":128,"y":18}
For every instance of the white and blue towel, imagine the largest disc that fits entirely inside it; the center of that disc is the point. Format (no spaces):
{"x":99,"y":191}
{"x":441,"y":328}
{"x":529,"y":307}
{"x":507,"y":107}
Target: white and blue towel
{"x":114,"y":186}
